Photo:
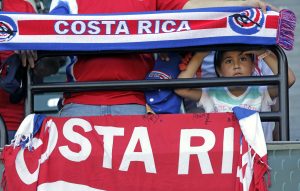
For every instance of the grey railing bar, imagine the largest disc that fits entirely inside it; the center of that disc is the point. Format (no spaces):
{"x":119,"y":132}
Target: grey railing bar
{"x":280,"y":80}
{"x":283,"y":95}
{"x":270,"y":116}
{"x":152,"y":84}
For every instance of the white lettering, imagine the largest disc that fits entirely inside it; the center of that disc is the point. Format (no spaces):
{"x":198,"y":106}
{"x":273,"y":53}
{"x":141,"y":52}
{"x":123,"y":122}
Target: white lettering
{"x":165,"y":24}
{"x":184,"y":26}
{"x":57,"y":27}
{"x":202,"y":151}
{"x":157,"y":24}
{"x":140,"y":134}
{"x":108,"y":26}
{"x":78,"y":27}
{"x":144,"y":26}
{"x":122,"y":28}
{"x":74,"y":137}
{"x":108,"y":140}
{"x":94,"y":29}
{"x":25,"y":175}
{"x":227,"y":159}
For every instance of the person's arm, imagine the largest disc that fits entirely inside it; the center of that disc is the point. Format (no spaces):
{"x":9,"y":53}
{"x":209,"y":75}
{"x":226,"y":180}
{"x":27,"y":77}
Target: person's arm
{"x":28,"y":57}
{"x":271,"y":60}
{"x":223,"y":3}
{"x":189,"y":72}
{"x":60,"y":7}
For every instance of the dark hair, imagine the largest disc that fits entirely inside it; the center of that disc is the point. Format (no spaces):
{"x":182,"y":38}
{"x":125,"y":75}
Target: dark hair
{"x":218,"y":59}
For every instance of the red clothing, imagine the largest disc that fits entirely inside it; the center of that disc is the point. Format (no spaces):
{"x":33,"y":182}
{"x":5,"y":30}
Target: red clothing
{"x":12,"y":114}
{"x":18,"y":6}
{"x":114,"y":67}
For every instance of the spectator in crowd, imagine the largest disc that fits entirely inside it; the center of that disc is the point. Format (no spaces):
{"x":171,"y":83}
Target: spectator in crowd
{"x":13,"y":113}
{"x":13,"y":75}
{"x":167,"y":66}
{"x":208,"y":70}
{"x":234,"y":64}
{"x":118,"y":66}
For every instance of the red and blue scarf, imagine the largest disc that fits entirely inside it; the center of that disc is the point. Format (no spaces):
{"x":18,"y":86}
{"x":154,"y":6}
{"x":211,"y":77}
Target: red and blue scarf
{"x":147,"y":30}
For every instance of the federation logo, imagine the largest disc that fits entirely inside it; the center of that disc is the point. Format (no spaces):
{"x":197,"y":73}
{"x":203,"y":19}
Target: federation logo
{"x":159,"y":75}
{"x":8,"y":28}
{"x":248,"y":22}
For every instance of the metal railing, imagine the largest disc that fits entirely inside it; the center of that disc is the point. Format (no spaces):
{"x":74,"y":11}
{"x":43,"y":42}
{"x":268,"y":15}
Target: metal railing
{"x":280,"y":80}
{"x":3,"y":133}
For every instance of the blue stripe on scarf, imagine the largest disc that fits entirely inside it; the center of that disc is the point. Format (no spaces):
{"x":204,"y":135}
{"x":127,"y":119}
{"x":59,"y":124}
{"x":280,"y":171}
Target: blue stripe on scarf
{"x":141,"y":45}
{"x":242,"y":113}
{"x":38,"y":121}
{"x":232,"y":9}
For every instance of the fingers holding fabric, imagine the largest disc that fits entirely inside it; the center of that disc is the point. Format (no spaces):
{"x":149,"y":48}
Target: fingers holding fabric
{"x":261,"y":4}
{"x":28,"y":57}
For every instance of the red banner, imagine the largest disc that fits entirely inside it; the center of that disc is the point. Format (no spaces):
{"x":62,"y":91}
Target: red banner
{"x":151,"y":152}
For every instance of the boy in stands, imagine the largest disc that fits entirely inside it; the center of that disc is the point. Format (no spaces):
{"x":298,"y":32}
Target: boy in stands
{"x":234,"y":63}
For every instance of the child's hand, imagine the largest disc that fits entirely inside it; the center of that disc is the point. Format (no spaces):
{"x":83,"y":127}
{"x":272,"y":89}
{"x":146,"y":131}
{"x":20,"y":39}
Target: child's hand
{"x":202,"y":54}
{"x":261,"y":4}
{"x":28,"y":57}
{"x":185,"y":61}
{"x":189,"y":56}
{"x":255,"y":52}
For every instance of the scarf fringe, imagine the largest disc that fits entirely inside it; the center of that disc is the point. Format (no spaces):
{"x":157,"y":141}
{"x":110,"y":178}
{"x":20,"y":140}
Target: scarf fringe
{"x":28,"y":128}
{"x":285,"y":33}
{"x":24,"y":141}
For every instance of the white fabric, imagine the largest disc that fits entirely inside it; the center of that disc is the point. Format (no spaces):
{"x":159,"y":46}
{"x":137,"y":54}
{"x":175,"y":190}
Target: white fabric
{"x":255,"y":98}
{"x":24,"y":132}
{"x":264,"y":69}
{"x":251,"y":129}
{"x":72,"y":5}
{"x":207,"y":67}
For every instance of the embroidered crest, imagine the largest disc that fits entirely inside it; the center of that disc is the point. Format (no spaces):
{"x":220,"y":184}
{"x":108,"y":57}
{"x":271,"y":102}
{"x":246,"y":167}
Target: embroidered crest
{"x":248,"y":22}
{"x":8,"y":28}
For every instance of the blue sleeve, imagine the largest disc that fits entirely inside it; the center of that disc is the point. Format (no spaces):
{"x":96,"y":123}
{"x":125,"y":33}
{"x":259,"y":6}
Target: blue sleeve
{"x":61,"y":8}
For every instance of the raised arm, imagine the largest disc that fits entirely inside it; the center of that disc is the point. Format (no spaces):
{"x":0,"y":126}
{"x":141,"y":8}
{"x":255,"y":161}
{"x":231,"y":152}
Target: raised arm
{"x":189,"y":72}
{"x":271,"y":60}
{"x":224,"y":3}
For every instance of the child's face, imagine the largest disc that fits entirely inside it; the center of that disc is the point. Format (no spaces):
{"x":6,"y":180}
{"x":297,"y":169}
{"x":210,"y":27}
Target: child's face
{"x":235,"y":63}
